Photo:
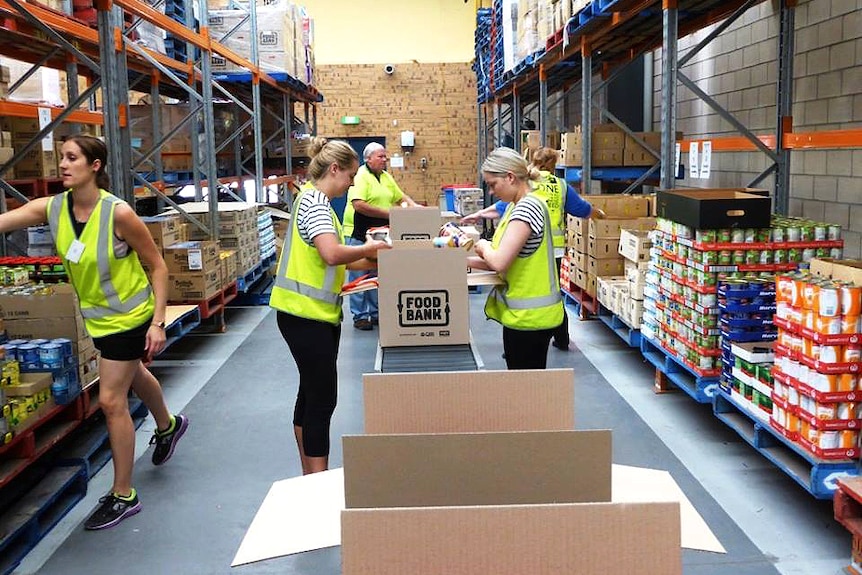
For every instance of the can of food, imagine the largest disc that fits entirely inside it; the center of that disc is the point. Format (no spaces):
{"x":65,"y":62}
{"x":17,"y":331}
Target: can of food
{"x":851,"y":324}
{"x":825,"y":411}
{"x":820,"y":232}
{"x":779,"y":256}
{"x":66,"y":344}
{"x":39,"y":341}
{"x":806,"y":232}
{"x":752,"y":257}
{"x":833,"y":232}
{"x":723,"y":236}
{"x":737,"y":236}
{"x":794,"y":255}
{"x":851,"y":300}
{"x":51,"y":355}
{"x":710,"y":258}
{"x":28,"y":354}
{"x":725,"y":257}
{"x":792,"y":234}
{"x":852,"y":354}
{"x":846,"y":410}
{"x":11,"y":351}
{"x":808,"y":254}
{"x":827,"y":302}
{"x":738,"y":257}
{"x":821,"y":252}
{"x":705,"y":236}
{"x":825,"y":439}
{"x":750,"y":235}
{"x":836,"y":253}
{"x":778,"y":234}
{"x":830,"y":353}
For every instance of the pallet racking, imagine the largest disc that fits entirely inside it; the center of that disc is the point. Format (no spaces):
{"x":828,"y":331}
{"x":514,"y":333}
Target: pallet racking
{"x":606,"y":36}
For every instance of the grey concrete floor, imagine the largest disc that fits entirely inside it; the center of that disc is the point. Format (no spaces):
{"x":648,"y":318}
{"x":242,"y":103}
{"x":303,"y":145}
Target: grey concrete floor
{"x":238,"y":389}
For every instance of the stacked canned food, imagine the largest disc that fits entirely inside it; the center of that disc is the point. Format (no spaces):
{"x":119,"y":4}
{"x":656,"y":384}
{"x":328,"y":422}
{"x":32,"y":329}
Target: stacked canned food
{"x":746,"y":308}
{"x":817,"y":364}
{"x":750,"y":378}
{"x":56,"y":356}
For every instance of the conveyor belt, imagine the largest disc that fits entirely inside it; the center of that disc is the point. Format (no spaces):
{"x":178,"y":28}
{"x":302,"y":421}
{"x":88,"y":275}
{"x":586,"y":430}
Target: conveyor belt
{"x":428,"y":358}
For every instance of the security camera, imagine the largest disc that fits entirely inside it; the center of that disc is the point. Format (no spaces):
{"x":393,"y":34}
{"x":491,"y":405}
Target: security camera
{"x":389,"y":69}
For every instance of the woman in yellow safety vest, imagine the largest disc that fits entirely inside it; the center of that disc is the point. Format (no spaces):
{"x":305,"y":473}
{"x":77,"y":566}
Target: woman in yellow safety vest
{"x":102,"y":243}
{"x":529,"y":305}
{"x":307,"y":294}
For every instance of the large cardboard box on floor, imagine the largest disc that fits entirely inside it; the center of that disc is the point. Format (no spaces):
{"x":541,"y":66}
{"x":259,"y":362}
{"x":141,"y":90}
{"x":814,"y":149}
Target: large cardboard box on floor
{"x":59,"y":300}
{"x":423,"y":295}
{"x":505,"y":503}
{"x":414,"y":223}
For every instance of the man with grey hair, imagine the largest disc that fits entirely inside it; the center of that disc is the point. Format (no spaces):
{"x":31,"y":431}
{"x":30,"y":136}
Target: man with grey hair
{"x":373,"y":193}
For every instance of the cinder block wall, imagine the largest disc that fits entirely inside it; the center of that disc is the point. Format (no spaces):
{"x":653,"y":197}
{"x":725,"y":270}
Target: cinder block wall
{"x":739,"y":69}
{"x":436,"y":101}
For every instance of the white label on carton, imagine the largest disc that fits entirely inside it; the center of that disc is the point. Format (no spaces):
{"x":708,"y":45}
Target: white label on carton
{"x":693,"y":164}
{"x":44,"y":120}
{"x":706,"y":160}
{"x":196,"y":260}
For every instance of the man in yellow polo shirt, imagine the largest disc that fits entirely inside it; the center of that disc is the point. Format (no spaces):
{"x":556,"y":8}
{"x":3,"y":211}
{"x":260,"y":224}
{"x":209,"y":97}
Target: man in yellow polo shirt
{"x":374,"y":191}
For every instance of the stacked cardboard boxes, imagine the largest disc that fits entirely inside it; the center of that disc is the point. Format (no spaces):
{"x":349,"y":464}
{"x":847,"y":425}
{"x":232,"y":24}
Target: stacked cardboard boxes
{"x":194,"y":270}
{"x":36,"y":163}
{"x":238,"y":231}
{"x":635,"y":247}
{"x":592,"y":245}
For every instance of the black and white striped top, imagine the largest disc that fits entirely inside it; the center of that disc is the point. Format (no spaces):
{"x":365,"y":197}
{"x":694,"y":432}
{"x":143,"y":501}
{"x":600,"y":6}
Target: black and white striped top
{"x":313,"y":216}
{"x":530,"y":211}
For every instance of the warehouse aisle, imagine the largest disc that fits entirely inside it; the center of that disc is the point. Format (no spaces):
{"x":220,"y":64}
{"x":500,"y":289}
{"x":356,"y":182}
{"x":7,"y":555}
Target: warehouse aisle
{"x":198,"y":507}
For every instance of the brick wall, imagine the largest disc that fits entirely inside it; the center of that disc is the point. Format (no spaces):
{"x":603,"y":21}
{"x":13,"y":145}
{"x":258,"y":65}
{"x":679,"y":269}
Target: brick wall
{"x":739,"y":69}
{"x":435,"y":101}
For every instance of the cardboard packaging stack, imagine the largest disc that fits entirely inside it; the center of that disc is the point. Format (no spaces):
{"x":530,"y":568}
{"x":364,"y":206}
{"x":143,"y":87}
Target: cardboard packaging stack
{"x":266,"y":235}
{"x":38,"y":162}
{"x":194,"y":270}
{"x":634,"y":152}
{"x":623,"y":295}
{"x":175,"y":152}
{"x":166,"y":230}
{"x":818,"y":358}
{"x":749,"y":373}
{"x":592,"y":245}
{"x":468,"y":200}
{"x":611,"y":147}
{"x":550,"y":510}
{"x":48,"y":312}
{"x":238,"y":231}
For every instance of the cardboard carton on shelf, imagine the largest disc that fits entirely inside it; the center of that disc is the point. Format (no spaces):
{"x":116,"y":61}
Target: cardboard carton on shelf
{"x":634,"y":245}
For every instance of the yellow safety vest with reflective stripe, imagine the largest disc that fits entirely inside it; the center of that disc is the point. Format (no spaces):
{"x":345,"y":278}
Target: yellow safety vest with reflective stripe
{"x":530,"y":299}
{"x":114,"y":292}
{"x":305,"y":285}
{"x":553,"y":191}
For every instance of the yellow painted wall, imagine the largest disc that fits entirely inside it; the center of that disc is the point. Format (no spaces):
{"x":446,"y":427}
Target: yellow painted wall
{"x":392,"y":31}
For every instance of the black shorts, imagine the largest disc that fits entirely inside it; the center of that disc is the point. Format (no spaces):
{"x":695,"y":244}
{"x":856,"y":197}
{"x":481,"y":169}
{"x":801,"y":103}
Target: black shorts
{"x":125,"y":345}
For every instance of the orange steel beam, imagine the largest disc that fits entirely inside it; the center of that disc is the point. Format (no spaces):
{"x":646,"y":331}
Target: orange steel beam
{"x":821,"y":140}
{"x":22,"y":110}
{"x":57,"y":22}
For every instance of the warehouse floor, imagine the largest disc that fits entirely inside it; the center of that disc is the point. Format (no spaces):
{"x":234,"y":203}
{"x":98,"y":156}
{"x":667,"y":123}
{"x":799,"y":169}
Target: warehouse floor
{"x":238,"y":389}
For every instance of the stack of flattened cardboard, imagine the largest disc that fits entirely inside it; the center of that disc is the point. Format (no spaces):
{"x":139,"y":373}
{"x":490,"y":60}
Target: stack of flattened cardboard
{"x":481,"y":472}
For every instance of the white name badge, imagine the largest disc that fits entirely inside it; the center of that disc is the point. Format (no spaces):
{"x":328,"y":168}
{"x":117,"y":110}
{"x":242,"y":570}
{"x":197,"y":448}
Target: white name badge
{"x":75,"y":251}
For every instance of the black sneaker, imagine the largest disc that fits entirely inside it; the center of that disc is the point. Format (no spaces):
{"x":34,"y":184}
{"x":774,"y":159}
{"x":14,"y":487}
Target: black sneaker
{"x":111,"y":511}
{"x":166,"y":442}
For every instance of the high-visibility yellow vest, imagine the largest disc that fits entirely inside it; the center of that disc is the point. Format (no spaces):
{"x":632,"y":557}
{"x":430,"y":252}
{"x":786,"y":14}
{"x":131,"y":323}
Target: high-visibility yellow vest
{"x":553,"y":191}
{"x":113,"y":289}
{"x":530,"y":299}
{"x":305,"y":286}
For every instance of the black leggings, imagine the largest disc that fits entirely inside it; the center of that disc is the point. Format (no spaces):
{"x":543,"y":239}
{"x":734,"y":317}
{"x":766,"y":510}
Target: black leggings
{"x":314,"y":346}
{"x":526,"y":349}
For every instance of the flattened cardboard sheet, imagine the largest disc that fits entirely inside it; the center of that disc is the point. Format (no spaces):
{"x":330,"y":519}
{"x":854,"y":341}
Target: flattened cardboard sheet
{"x":638,"y":484}
{"x":275,"y":531}
{"x":477,"y":468}
{"x":469,"y":401}
{"x":586,"y":539}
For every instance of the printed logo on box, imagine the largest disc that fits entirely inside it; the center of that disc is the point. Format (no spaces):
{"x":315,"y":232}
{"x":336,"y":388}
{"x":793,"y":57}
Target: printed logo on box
{"x":410,"y":236}
{"x":423,"y":308}
{"x":268,"y":38}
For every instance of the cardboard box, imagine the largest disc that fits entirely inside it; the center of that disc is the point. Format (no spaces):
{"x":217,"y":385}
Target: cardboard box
{"x":456,"y":402}
{"x":51,"y":328}
{"x":423,"y":296}
{"x":60,"y":302}
{"x":166,"y":230}
{"x":30,"y":383}
{"x":194,"y":286}
{"x":581,"y":261}
{"x":444,"y":469}
{"x":605,"y":290}
{"x":707,"y":209}
{"x":187,"y":257}
{"x":580,"y":278}
{"x":634,"y":245}
{"x":608,"y":137}
{"x":414,"y":223}
{"x":621,"y":205}
{"x":612,"y":227}
{"x":531,"y":139}
{"x":581,"y":226}
{"x":606,"y":157}
{"x":844,"y":270}
{"x":602,"y":248}
{"x":572,"y":156}
{"x":605,"y":266}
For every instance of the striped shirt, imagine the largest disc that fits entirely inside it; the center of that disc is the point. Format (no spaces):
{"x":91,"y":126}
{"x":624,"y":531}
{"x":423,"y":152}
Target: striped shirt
{"x":313,"y":217}
{"x":530,"y":211}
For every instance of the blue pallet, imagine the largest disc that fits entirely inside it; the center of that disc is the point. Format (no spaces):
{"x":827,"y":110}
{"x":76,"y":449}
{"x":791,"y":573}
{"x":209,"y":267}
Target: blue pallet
{"x":817,"y":476}
{"x":701,"y":389}
{"x":257,"y":295}
{"x":182,"y":325}
{"x":609,"y":6}
{"x":631,"y":336}
{"x":573,"y":174}
{"x":248,"y":279}
{"x":90,"y":446}
{"x":28,"y":520}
